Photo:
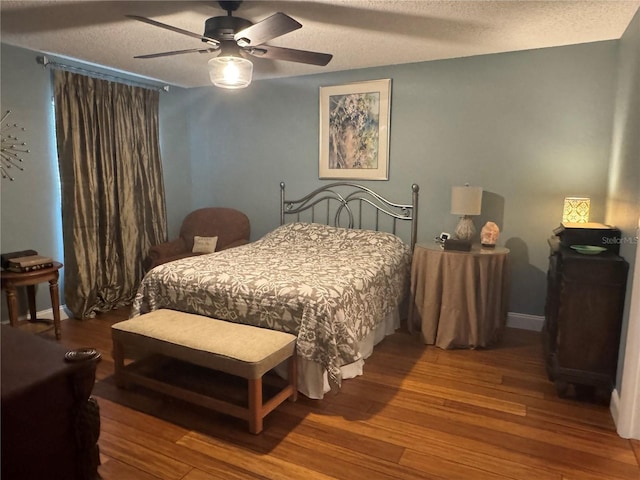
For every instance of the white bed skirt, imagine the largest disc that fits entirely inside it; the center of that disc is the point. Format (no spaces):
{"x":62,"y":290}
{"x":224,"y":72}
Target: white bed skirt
{"x":313,"y":381}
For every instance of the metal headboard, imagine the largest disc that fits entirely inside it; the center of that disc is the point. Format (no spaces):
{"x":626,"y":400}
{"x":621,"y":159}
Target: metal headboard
{"x":333,"y":203}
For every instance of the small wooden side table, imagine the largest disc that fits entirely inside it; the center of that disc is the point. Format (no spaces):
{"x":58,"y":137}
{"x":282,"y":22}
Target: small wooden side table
{"x":12,"y":280}
{"x":459,"y":299}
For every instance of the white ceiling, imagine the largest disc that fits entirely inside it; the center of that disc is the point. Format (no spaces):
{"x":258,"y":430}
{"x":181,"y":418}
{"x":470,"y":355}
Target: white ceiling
{"x":359,"y":33}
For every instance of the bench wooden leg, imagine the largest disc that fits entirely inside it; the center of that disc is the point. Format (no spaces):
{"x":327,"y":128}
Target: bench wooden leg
{"x":255,"y":405}
{"x":118,"y":363}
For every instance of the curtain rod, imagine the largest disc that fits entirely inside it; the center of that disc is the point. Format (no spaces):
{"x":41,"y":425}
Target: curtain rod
{"x":45,"y":62}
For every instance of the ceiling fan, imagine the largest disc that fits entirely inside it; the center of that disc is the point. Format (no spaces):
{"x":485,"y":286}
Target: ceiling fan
{"x":233,"y":38}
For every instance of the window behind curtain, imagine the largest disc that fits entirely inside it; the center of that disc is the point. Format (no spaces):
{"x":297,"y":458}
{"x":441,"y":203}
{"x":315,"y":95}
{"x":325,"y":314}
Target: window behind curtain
{"x":113,"y":206}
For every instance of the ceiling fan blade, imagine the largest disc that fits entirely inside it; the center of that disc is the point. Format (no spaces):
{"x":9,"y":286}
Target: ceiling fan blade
{"x":177,"y":52}
{"x":155,"y":23}
{"x":265,"y":30}
{"x":290,"y":55}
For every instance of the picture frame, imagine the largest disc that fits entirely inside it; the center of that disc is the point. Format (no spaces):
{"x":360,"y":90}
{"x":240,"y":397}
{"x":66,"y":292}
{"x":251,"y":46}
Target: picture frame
{"x":354,"y":130}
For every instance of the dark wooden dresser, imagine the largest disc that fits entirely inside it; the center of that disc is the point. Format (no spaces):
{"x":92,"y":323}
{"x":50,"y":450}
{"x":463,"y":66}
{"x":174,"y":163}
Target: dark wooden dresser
{"x":50,"y":425}
{"x":583,"y":317}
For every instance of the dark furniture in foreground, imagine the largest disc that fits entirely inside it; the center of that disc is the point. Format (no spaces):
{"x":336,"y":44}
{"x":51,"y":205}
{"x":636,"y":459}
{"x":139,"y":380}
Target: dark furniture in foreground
{"x":50,"y":425}
{"x":583,"y":319}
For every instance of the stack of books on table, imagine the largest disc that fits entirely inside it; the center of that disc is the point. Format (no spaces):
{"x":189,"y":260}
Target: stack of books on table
{"x":29,"y":263}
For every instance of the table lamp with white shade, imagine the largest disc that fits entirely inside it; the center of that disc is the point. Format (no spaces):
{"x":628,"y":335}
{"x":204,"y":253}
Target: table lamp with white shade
{"x":466,"y":201}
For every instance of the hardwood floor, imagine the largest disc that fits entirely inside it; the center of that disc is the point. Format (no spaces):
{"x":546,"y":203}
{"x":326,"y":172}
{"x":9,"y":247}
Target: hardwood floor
{"x":417,"y":413}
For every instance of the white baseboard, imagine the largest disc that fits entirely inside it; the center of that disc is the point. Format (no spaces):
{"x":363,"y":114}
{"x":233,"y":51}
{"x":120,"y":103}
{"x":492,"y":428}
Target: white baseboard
{"x":525,"y":321}
{"x":614,"y":405}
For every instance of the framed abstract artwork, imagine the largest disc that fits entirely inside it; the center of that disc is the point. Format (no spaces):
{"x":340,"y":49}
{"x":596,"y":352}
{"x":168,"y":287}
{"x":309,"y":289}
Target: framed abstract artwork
{"x":354,"y":130}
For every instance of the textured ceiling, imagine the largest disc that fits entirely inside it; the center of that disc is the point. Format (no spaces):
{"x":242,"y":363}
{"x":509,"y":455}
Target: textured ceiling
{"x":359,"y":33}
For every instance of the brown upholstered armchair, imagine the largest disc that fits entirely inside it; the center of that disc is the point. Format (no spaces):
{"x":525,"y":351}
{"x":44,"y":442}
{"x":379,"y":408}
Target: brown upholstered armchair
{"x":229,"y":225}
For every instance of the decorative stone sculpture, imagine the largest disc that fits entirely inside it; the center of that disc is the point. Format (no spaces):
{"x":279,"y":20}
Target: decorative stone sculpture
{"x":489,"y":235}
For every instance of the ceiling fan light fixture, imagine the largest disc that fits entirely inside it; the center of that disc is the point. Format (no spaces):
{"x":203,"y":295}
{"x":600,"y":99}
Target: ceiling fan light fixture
{"x":230,"y":72}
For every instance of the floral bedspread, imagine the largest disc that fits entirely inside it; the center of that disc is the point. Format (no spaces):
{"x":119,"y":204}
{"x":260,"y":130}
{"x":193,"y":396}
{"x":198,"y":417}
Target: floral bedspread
{"x":329,"y":286}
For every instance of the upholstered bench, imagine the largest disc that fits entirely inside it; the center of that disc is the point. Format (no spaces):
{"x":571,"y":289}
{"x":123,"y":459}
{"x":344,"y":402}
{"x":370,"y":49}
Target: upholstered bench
{"x":237,"y":349}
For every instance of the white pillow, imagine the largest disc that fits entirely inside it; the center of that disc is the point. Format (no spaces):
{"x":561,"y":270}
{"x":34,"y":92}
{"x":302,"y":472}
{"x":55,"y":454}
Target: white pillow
{"x":204,"y":244}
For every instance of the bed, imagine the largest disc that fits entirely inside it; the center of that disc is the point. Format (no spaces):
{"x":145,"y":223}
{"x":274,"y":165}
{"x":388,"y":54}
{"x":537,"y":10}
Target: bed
{"x":339,"y":286}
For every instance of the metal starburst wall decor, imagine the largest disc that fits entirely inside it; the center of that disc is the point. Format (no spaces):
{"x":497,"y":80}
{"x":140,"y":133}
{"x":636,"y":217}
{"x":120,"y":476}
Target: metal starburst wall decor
{"x":12,"y":148}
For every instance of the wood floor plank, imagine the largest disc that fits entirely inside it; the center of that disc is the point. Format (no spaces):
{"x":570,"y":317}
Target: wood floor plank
{"x":269,"y":466}
{"x":565,"y":457}
{"x":455,"y":470}
{"x":441,"y":446}
{"x":421,"y":438}
{"x":449,"y":390}
{"x":537,"y":429}
{"x":140,"y":421}
{"x":425,"y":368}
{"x":417,"y":412}
{"x":566,"y":412}
{"x":141,"y":457}
{"x":479,"y":360}
{"x":635,"y":445}
{"x":343,"y":462}
{"x":176,"y":452}
{"x":196,"y":474}
{"x":532,"y":446}
{"x":357,"y":444}
{"x":113,"y":469}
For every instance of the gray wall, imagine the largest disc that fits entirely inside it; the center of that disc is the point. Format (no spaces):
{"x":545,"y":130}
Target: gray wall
{"x":623,"y":206}
{"x":529,"y":127}
{"x":30,"y":208}
{"x":176,"y":164}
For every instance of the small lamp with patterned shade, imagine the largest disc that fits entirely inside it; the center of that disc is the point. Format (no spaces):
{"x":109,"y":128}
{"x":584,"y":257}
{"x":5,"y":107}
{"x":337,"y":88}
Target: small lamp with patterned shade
{"x":576,"y":210}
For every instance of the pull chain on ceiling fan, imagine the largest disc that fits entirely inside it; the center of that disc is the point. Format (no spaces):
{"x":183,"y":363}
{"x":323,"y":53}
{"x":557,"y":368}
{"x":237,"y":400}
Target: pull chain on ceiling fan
{"x":233,"y":38}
